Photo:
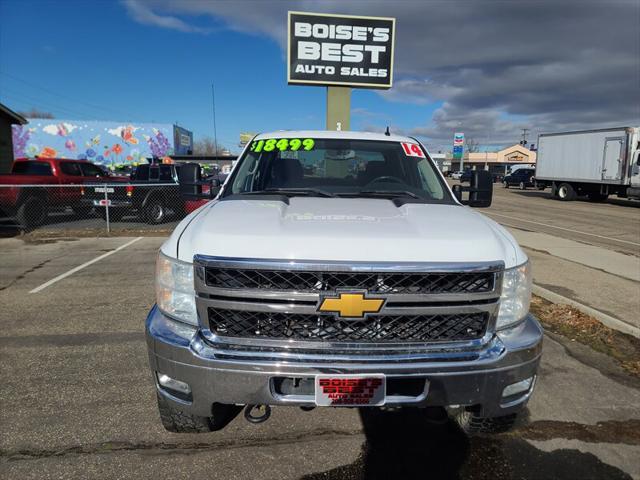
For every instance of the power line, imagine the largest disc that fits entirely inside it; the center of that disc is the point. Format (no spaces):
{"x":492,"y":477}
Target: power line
{"x":20,"y":97}
{"x":51,"y":92}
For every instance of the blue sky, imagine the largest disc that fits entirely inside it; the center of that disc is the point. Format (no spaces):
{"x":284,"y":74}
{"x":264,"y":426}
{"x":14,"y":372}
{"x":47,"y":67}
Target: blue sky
{"x":91,"y":60}
{"x":488,"y":68}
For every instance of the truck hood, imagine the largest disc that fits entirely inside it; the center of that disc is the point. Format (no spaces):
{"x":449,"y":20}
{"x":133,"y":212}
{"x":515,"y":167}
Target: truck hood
{"x":342,"y":229}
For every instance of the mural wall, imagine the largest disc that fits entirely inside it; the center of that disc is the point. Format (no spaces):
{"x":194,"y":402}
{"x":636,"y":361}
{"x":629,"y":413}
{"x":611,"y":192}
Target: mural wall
{"x":107,"y":143}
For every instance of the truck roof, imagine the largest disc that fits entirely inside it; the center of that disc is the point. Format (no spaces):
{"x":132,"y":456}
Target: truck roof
{"x":347,"y":135}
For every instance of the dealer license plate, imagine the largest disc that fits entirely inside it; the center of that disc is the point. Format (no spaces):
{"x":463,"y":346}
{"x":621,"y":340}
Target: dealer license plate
{"x":350,"y":390}
{"x":104,"y":203}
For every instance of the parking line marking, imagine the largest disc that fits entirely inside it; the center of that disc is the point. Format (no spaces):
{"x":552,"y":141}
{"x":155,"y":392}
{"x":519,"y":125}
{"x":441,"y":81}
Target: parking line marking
{"x":562,"y":228}
{"x":84,"y":265}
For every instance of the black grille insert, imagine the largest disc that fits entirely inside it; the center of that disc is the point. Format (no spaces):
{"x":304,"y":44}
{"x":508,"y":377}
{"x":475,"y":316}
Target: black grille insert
{"x":380,"y":328}
{"x":398,"y":283}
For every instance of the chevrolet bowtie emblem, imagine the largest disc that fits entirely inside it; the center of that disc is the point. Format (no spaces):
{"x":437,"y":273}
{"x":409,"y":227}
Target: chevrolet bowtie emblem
{"x":351,"y":305}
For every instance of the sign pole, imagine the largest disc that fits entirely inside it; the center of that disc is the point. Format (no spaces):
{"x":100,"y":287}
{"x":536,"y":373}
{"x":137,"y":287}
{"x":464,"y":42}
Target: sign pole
{"x":339,"y":108}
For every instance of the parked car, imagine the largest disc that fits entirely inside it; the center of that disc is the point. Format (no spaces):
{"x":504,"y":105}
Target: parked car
{"x":331,"y":287}
{"x":456,"y":175}
{"x":152,"y":193}
{"x":522,"y":177}
{"x":30,"y":205}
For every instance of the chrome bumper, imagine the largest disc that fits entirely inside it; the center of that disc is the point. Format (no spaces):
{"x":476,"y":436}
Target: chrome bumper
{"x":452,"y":377}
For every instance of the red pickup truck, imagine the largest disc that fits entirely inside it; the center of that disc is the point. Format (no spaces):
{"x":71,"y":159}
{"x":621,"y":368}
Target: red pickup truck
{"x":22,"y":197}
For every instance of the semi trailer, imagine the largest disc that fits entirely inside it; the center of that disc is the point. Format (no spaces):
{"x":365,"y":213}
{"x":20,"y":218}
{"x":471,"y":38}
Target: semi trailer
{"x":595,"y":163}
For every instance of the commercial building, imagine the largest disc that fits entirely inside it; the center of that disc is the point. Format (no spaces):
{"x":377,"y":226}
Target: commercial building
{"x":495,"y":162}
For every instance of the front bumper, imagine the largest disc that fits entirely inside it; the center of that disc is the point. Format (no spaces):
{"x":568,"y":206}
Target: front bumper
{"x":179,"y":351}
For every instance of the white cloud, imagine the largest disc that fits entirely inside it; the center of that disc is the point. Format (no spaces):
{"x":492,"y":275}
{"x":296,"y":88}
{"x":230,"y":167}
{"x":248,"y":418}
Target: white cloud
{"x":142,"y":12}
{"x":494,"y":66}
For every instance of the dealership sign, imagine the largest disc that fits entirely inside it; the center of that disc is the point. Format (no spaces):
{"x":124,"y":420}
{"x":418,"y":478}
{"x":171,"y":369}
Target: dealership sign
{"x":340,"y":50}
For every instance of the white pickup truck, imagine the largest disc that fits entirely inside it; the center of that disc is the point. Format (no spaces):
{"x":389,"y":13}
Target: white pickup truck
{"x":339,"y":269}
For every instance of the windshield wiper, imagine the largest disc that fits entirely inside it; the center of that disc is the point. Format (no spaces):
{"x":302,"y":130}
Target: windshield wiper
{"x":310,"y":192}
{"x":381,"y":193}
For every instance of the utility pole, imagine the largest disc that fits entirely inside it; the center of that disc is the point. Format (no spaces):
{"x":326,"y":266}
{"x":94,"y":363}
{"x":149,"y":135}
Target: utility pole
{"x":215,"y":132}
{"x":523,"y":142}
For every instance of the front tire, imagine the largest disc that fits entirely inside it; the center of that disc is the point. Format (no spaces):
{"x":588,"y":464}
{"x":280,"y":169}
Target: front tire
{"x":176,"y":421}
{"x":522,"y":186}
{"x":473,"y":424}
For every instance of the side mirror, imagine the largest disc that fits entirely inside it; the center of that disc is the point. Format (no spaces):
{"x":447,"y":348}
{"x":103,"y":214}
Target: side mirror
{"x":481,"y":189}
{"x":192,"y":187}
{"x":190,"y":180}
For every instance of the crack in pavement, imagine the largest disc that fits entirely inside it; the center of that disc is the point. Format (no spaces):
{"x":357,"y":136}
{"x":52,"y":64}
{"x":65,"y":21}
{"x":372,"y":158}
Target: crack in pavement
{"x":25,"y":273}
{"x":178,"y":447}
{"x":617,"y":432}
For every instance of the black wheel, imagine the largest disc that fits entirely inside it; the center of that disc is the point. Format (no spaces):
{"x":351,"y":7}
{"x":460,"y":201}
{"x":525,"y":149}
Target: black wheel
{"x":473,"y":424}
{"x":597,"y":197}
{"x":565,"y":192}
{"x":505,"y":184}
{"x":176,"y":421}
{"x":154,"y":211}
{"x":522,"y":186}
{"x":114,"y":215}
{"x":32,"y":212}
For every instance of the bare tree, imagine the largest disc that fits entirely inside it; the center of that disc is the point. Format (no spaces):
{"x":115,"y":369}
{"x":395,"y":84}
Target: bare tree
{"x":35,"y":113}
{"x":472,"y":145}
{"x":207,"y":146}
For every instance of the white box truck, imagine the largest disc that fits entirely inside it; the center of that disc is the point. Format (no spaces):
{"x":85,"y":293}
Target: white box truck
{"x":595,"y":163}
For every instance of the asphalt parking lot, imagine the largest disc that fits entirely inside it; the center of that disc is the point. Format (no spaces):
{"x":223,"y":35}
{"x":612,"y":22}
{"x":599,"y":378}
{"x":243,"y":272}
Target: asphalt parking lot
{"x":77,"y":399}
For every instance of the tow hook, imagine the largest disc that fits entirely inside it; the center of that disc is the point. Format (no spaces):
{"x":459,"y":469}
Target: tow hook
{"x":264,"y":410}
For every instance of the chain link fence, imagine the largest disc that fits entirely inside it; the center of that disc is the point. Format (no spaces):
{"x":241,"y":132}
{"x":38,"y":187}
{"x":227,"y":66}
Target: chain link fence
{"x":103,"y":208}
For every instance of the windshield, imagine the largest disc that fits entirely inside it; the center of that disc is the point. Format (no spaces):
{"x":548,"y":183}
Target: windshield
{"x":340,"y":168}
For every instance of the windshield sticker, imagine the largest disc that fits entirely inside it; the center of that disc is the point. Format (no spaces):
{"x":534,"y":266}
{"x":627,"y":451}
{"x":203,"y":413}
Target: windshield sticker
{"x":412,"y":150}
{"x":282,"y":144}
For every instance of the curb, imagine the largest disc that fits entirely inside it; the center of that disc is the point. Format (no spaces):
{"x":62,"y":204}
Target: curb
{"x":607,"y":320}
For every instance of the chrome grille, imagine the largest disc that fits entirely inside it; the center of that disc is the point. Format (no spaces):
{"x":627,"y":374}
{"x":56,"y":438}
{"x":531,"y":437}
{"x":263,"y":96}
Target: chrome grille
{"x":379,"y":328}
{"x":268,"y":309}
{"x":373,"y":282}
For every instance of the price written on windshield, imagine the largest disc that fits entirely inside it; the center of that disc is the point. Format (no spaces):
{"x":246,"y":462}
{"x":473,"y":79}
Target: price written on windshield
{"x":282,"y":144}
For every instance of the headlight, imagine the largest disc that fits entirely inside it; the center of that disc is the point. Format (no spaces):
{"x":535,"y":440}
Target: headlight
{"x":175,"y":294}
{"x":516,"y":295}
